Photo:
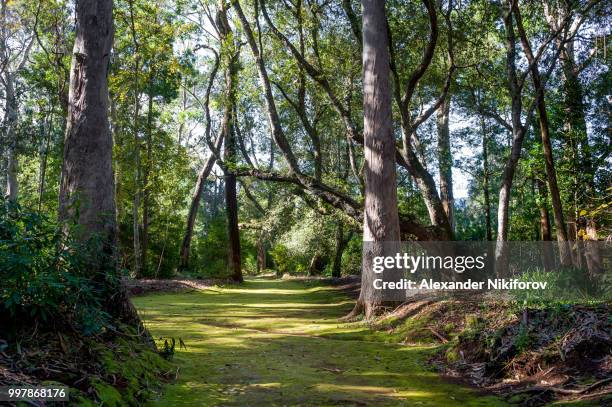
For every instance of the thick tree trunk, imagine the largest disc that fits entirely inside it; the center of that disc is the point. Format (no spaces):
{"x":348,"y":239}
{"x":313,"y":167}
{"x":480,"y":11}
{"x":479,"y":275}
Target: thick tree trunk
{"x":381,"y":220}
{"x":86,"y":196}
{"x":445,"y":161}
{"x":230,"y":155}
{"x":87,"y":184}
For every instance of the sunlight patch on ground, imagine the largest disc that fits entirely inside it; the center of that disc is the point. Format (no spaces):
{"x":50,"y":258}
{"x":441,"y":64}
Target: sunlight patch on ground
{"x":273,"y":343}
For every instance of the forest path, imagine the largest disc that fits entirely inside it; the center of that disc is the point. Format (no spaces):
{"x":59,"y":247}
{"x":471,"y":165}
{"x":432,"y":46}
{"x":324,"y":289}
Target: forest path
{"x":279,"y":343}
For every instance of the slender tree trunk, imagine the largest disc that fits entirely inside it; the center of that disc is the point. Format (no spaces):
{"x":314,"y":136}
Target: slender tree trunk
{"x":381,"y":220}
{"x":12,"y":183}
{"x":195,"y":204}
{"x":341,"y":242}
{"x":136,"y":198}
{"x":46,"y":132}
{"x":546,"y":144}
{"x":146,"y":201}
{"x":137,"y":162}
{"x":12,"y":167}
{"x":485,"y":180}
{"x":203,"y":175}
{"x":518,"y":134}
{"x":261,"y":254}
{"x":314,"y":265}
{"x":545,"y":234}
{"x":230,"y":151}
{"x":445,"y":161}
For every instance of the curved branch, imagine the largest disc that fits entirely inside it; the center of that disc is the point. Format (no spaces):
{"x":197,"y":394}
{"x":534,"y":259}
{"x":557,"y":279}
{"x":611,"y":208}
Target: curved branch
{"x":418,"y":73}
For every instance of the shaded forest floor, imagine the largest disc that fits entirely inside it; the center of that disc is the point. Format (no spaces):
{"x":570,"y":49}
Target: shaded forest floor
{"x":279,"y":342}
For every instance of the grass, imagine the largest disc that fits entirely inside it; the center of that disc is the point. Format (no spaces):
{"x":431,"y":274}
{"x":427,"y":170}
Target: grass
{"x":275,"y":342}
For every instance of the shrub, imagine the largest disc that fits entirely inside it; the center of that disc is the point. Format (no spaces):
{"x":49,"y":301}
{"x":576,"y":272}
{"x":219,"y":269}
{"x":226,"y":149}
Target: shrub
{"x":45,"y":276}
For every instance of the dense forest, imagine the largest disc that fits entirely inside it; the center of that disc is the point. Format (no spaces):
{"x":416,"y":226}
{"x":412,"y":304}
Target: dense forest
{"x":221,"y":141}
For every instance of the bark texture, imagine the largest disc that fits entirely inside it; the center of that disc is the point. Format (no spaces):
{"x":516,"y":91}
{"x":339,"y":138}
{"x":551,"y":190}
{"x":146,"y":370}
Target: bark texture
{"x":381,"y":220}
{"x":87,"y":183}
{"x":230,"y":151}
{"x":445,"y":161}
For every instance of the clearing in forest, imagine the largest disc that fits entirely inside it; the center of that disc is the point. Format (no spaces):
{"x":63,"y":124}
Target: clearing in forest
{"x":279,"y":342}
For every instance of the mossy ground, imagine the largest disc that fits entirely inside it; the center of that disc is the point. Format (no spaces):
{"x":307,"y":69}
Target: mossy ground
{"x":275,"y":342}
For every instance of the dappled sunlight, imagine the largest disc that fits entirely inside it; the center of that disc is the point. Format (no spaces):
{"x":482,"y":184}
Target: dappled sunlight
{"x":281,"y":343}
{"x":371,"y":389}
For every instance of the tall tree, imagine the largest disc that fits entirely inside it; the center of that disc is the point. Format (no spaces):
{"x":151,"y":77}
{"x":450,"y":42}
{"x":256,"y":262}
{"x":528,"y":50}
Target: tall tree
{"x":381,"y":220}
{"x":445,"y":161}
{"x":228,"y":133}
{"x":87,"y":194}
{"x":574,"y":119}
{"x":87,"y":190}
{"x":204,"y":172}
{"x":15,"y":48}
{"x":551,"y":174}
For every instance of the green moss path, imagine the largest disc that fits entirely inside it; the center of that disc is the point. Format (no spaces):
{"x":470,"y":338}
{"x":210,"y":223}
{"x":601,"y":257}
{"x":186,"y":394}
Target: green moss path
{"x":279,"y":343}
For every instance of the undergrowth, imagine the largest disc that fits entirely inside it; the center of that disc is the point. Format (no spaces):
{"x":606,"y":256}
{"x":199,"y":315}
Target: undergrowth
{"x":57,"y":324}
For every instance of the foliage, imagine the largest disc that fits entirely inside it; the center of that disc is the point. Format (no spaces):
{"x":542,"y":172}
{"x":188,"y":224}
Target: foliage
{"x":45,"y":275}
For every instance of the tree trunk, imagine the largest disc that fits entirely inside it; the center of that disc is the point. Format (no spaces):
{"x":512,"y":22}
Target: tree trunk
{"x":86,"y":196}
{"x":202,"y":176}
{"x":546,"y":144}
{"x":341,"y":242}
{"x":518,"y":134}
{"x":146,"y":201}
{"x":195,"y":204}
{"x":545,"y":235}
{"x":314,"y":265}
{"x":87,"y":174}
{"x":381,"y":220}
{"x":445,"y":161}
{"x":485,"y":180}
{"x":136,"y":198}
{"x":137,"y":271}
{"x":261,"y":254}
{"x":12,"y":183}
{"x":46,"y":133}
{"x":230,"y":151}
